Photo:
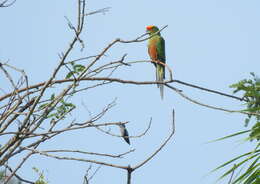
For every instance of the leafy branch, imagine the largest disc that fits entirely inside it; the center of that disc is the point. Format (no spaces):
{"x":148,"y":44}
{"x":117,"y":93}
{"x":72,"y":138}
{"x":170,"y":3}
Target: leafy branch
{"x":250,"y":89}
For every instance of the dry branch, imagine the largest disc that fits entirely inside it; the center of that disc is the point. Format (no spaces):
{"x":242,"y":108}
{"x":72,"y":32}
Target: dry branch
{"x":6,"y":3}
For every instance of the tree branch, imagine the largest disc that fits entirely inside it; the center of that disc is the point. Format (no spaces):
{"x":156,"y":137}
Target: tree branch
{"x":5,"y":3}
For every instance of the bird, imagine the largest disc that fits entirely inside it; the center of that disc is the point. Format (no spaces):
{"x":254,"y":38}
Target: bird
{"x":124,"y":133}
{"x":156,"y":51}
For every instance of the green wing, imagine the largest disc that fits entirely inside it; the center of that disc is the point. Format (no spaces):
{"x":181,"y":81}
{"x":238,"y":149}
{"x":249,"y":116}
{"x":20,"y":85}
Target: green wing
{"x":161,"y":49}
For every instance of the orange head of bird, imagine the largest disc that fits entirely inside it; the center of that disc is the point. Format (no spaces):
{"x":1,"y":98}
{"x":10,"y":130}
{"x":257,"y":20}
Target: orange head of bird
{"x":152,"y":29}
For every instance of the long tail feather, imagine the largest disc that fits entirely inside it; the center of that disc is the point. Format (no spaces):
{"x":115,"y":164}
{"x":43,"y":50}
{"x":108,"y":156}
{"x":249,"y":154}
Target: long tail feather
{"x":161,"y":91}
{"x":159,"y":77}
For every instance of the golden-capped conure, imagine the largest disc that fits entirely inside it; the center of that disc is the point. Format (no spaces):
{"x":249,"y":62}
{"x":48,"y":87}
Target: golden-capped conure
{"x":156,"y":50}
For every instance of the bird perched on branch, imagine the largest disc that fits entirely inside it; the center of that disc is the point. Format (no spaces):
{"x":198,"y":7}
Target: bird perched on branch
{"x":156,"y":50}
{"x":124,"y":133}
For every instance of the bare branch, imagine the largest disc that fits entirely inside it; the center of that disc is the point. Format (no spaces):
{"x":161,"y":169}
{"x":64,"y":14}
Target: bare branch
{"x":210,"y":106}
{"x":88,"y":153}
{"x":18,"y":167}
{"x":210,"y":90}
{"x":130,"y":169}
{"x":161,"y":146}
{"x":95,"y":172}
{"x":17,"y":176}
{"x":34,"y":151}
{"x":103,"y":11}
{"x":5,"y":3}
{"x":124,"y":82}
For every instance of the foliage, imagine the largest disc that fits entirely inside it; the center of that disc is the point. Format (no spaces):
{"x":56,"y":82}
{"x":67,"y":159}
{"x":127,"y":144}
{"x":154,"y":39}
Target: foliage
{"x":61,"y":110}
{"x":77,"y":69}
{"x":2,"y":174}
{"x":247,"y":163}
{"x":41,"y":179}
{"x":251,"y":93}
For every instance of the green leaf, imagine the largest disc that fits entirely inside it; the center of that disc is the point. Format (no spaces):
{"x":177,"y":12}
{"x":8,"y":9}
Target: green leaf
{"x":232,"y":135}
{"x":41,"y":179}
{"x":2,"y":175}
{"x":69,"y":75}
{"x":247,"y":121}
{"x":237,"y":166}
{"x":52,"y":115}
{"x":247,"y":176}
{"x":52,"y":96}
{"x":255,"y":132}
{"x":236,"y":158}
{"x":78,"y":68}
{"x":43,"y":105}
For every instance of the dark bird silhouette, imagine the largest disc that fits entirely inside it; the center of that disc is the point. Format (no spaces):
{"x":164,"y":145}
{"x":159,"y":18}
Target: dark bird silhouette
{"x":124,"y":133}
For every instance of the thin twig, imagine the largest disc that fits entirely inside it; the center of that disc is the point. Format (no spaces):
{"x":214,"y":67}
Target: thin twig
{"x":88,"y":153}
{"x":161,"y":146}
{"x":18,"y":167}
{"x":17,"y":176}
{"x":210,"y":106}
{"x":103,"y":10}
{"x":4,"y":4}
{"x":232,"y":174}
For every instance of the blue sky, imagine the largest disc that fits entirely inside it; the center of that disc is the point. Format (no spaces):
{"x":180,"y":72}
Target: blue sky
{"x":211,"y":43}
